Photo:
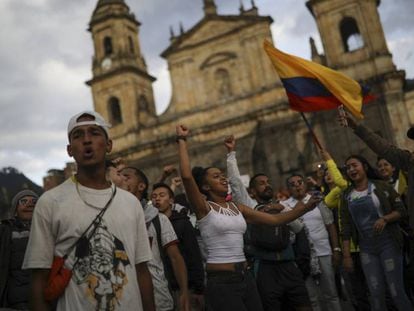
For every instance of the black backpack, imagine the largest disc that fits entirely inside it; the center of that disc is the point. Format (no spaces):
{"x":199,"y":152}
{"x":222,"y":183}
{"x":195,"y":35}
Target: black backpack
{"x":169,"y":275}
{"x":273,"y":238}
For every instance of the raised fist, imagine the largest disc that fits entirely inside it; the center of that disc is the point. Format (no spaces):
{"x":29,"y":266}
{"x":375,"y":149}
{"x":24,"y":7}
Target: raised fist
{"x":182,"y":130}
{"x":230,"y":143}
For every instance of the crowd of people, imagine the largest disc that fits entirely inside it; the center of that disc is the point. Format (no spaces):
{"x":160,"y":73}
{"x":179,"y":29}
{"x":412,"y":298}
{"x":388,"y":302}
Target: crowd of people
{"x":200,"y":239}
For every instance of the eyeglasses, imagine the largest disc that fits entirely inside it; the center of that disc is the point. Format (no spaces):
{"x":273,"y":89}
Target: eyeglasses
{"x":26,"y":202}
{"x":296,"y":183}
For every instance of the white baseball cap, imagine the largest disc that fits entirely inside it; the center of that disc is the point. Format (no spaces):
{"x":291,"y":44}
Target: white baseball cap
{"x":97,"y":120}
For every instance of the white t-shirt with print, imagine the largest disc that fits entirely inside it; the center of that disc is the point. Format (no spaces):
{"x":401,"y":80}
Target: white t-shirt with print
{"x":316,"y":221}
{"x":162,"y":296}
{"x":104,"y":276}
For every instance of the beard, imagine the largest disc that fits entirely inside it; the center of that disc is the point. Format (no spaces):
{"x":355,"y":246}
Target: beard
{"x":267,"y":194}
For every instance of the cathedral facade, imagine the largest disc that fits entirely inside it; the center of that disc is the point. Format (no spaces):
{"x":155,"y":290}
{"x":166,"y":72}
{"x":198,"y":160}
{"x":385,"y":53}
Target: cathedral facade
{"x":223,"y":83}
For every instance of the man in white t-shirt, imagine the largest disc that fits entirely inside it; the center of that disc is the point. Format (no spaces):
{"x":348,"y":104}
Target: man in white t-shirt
{"x":109,"y":265}
{"x":323,"y":235}
{"x":137,"y":183}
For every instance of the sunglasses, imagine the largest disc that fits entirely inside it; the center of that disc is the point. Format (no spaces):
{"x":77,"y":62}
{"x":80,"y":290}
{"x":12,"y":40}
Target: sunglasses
{"x":26,"y":202}
{"x":296,"y":183}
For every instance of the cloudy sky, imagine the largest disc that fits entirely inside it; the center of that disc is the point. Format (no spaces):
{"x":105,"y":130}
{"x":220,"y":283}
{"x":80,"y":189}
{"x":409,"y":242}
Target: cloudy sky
{"x":46,"y":53}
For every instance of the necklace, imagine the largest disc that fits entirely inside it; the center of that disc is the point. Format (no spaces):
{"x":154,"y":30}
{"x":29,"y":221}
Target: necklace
{"x":91,"y":205}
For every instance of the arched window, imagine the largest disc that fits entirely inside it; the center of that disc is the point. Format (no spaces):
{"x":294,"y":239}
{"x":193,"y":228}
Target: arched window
{"x":143,"y":103}
{"x":115,"y":111}
{"x":222,"y":78}
{"x":108,"y":46}
{"x":351,"y":37}
{"x":131,"y":45}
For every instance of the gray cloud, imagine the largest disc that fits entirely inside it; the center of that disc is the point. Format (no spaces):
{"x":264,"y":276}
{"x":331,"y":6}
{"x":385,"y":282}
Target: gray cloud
{"x":396,"y":16}
{"x":46,"y":53}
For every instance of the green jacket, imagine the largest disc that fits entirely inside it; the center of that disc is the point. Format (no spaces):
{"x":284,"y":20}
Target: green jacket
{"x":389,"y":201}
{"x":400,"y":158}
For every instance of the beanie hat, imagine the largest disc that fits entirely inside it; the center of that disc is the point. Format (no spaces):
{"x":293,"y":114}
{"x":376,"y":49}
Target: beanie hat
{"x":18,"y":196}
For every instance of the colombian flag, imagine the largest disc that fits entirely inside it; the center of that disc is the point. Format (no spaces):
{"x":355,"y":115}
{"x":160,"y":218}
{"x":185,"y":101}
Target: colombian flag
{"x":313,"y":87}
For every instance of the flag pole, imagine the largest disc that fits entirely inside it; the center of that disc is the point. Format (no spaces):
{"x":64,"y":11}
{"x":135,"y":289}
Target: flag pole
{"x":315,"y":139}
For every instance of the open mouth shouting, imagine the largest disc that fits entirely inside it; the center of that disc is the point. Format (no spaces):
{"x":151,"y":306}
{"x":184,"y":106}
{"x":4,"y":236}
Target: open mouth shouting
{"x":88,"y":153}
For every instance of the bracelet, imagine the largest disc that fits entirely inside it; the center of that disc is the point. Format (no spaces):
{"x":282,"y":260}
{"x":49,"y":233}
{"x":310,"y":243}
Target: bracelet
{"x":337,"y":249}
{"x":180,"y":137}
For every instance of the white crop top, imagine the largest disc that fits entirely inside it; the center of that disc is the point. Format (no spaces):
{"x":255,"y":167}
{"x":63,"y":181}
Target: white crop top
{"x":222,"y":233}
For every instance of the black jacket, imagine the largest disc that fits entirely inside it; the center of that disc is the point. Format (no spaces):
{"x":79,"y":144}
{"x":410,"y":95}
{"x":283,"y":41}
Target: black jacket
{"x":14,"y":282}
{"x":5,"y":248}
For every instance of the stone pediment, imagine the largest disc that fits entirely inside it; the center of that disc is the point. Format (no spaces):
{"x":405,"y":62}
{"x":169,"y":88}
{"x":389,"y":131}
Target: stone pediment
{"x":211,"y":28}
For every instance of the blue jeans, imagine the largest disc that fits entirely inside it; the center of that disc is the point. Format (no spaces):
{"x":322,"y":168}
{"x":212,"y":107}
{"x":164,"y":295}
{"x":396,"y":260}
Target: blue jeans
{"x":382,"y":264}
{"x":323,"y":296}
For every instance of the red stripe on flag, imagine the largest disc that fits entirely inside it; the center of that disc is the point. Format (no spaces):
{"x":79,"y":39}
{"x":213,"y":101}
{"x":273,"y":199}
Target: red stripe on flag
{"x":368,"y":98}
{"x":318,"y":103}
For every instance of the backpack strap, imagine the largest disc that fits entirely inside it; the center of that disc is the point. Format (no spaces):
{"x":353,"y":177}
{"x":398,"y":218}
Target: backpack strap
{"x":157,"y":225}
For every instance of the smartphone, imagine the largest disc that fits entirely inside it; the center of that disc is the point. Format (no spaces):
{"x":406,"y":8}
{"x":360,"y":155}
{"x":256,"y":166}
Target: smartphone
{"x":342,"y":113}
{"x":316,"y":194}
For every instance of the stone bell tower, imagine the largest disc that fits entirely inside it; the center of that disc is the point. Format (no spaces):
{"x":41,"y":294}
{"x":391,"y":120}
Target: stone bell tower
{"x":121,"y":86}
{"x":354,"y":43}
